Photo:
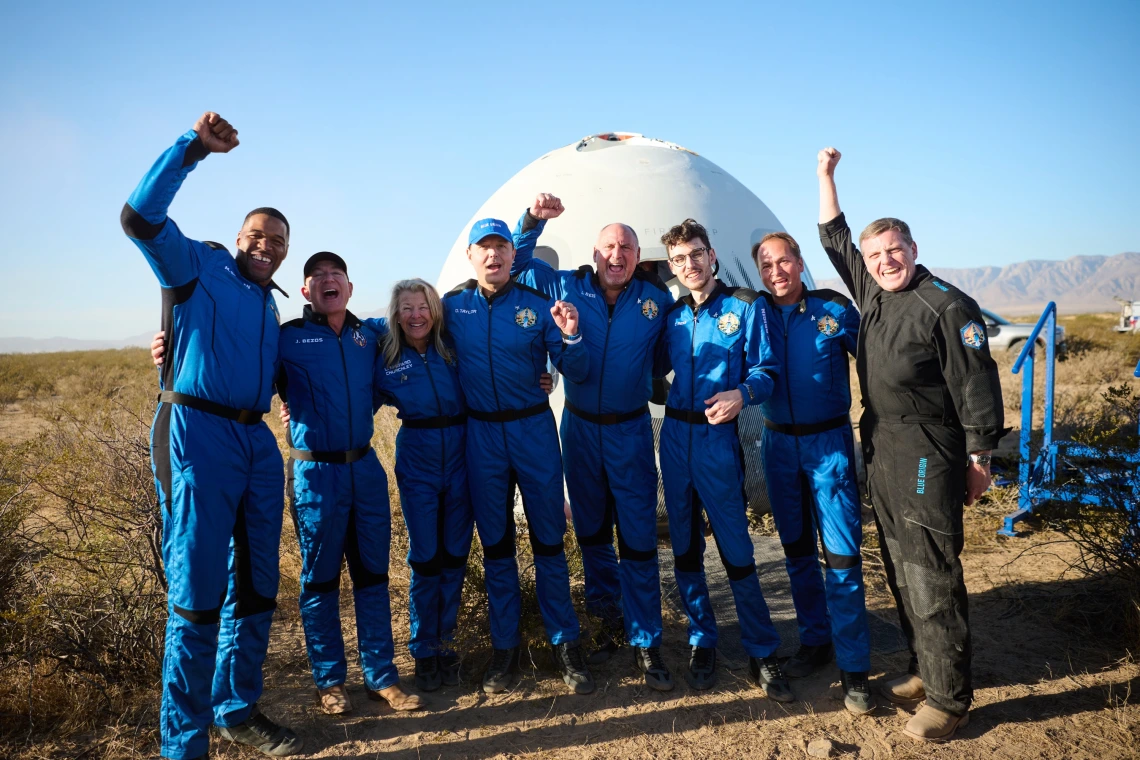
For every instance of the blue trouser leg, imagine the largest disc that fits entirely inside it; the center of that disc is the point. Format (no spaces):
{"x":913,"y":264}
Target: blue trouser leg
{"x":492,"y":500}
{"x":458,"y":526}
{"x":423,"y":515}
{"x":210,"y":493}
{"x":592,"y":506}
{"x":793,"y":509}
{"x":829,"y":459}
{"x":632,"y":478}
{"x":366,"y":548}
{"x":321,"y":507}
{"x":537,"y":461}
{"x":686,"y":533}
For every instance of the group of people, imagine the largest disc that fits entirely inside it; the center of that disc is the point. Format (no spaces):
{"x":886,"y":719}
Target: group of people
{"x":467,"y":374}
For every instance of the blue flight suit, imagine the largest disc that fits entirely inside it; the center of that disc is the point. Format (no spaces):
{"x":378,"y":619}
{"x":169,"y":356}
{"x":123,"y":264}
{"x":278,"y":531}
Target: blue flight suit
{"x":809,"y":464}
{"x":431,"y":472}
{"x":338,"y":493}
{"x":718,"y":346}
{"x":216,"y":464}
{"x":607,"y":436}
{"x":503,"y":342}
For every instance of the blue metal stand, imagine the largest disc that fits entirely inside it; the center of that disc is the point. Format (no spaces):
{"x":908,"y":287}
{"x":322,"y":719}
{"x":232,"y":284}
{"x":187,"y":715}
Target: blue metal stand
{"x":1036,"y":476}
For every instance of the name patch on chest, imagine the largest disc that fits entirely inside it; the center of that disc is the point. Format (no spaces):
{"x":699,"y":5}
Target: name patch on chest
{"x":403,"y":366}
{"x":310,"y":340}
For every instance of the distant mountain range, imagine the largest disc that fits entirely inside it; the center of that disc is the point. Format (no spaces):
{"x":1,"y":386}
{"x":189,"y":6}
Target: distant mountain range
{"x":1079,"y":285}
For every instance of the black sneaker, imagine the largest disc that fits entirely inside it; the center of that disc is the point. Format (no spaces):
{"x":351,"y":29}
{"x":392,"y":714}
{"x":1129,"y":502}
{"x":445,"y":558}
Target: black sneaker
{"x":857,"y":696}
{"x":606,"y":643}
{"x":264,"y":735}
{"x":702,"y":668}
{"x":428,"y":677}
{"x":649,"y":662}
{"x":449,"y":668}
{"x":577,"y":676}
{"x":770,"y":677}
{"x":501,"y":672}
{"x":808,"y":659}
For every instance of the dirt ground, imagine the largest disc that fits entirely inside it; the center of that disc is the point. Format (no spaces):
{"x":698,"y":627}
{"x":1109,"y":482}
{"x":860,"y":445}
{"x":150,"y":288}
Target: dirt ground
{"x":1044,"y":689}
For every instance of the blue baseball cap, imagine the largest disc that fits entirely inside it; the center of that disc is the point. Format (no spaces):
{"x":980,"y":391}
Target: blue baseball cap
{"x":487,"y":227}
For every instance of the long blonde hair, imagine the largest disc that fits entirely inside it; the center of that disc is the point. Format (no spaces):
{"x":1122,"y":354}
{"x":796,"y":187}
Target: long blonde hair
{"x":395,"y":340}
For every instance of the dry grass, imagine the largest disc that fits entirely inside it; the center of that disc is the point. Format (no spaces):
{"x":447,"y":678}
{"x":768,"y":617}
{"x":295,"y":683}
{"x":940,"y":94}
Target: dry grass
{"x":1053,"y":648}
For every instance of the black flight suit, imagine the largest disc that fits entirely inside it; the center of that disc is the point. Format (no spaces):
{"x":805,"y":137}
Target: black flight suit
{"x":931,"y":396}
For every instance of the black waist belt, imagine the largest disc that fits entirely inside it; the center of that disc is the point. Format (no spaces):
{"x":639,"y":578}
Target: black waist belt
{"x":693,"y":418}
{"x":509,"y":415}
{"x":908,"y":419}
{"x":244,"y":416}
{"x":607,"y":419}
{"x":331,"y":457}
{"x":435,"y":423}
{"x":812,"y":429}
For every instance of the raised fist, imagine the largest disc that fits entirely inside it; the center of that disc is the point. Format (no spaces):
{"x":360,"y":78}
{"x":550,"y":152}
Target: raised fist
{"x":565,"y":316}
{"x":547,"y":206}
{"x":216,"y":133}
{"x":827,"y":158}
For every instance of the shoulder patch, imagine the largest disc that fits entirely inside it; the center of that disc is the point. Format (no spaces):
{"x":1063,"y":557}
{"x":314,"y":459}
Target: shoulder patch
{"x":744,"y":294}
{"x":676,"y":305}
{"x":216,"y":246}
{"x":529,"y":289}
{"x":768,"y":298}
{"x":973,"y":335}
{"x":650,"y":277}
{"x":298,"y":322}
{"x":583,"y":271}
{"x":832,"y":296}
{"x":469,"y":285}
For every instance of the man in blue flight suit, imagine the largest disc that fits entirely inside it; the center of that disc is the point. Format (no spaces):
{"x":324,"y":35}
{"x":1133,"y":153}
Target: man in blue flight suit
{"x":216,"y":464}
{"x":716,"y":342}
{"x":338,"y":488}
{"x":607,"y":438}
{"x":503,"y":332}
{"x":809,"y":464}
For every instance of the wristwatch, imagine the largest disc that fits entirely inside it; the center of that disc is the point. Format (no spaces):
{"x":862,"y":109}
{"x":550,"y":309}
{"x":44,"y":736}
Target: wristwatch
{"x":982,"y":459}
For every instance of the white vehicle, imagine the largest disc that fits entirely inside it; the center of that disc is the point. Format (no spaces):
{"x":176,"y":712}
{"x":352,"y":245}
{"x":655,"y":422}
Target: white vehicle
{"x":1129,"y":316}
{"x":650,"y":185}
{"x":1011,"y":336}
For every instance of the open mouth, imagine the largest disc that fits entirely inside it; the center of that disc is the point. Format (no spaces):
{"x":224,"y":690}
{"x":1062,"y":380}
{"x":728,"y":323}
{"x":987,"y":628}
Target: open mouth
{"x":892,"y":271}
{"x":618,"y":269}
{"x":494,"y":267}
{"x":330,"y":292}
{"x":417,"y":325}
{"x":261,"y":259}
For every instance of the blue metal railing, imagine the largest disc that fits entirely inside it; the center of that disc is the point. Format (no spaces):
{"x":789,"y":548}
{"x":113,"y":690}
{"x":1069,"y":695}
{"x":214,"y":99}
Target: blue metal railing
{"x":1026,"y":359}
{"x":1036,"y":477}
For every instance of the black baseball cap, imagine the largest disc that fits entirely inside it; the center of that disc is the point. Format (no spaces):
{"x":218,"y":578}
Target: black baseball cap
{"x":329,"y":256}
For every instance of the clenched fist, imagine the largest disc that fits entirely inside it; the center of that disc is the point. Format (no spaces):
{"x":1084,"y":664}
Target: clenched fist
{"x":547,"y":206}
{"x":827,"y":159}
{"x":216,"y":133}
{"x":565,"y":316}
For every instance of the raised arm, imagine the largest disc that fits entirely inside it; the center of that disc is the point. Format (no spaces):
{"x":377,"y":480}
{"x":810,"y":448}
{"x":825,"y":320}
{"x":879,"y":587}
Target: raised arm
{"x":527,"y":269}
{"x":835,"y":235}
{"x":170,"y":253}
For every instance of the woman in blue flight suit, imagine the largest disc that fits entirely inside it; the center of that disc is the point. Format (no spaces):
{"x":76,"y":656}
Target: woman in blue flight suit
{"x":416,"y":372}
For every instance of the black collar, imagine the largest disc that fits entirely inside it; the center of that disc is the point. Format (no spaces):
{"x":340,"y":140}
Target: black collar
{"x":274,"y":286}
{"x":498,"y":293}
{"x":687,"y":299}
{"x":309,"y":315}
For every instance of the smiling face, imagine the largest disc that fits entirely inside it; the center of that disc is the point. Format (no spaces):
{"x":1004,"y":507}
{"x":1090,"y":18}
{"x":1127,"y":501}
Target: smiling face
{"x":890,"y":259}
{"x":615,"y":256}
{"x":780,"y":270}
{"x":327,"y":288}
{"x":692,"y":264}
{"x":414,"y":316}
{"x":262,"y":245}
{"x":491,"y":258}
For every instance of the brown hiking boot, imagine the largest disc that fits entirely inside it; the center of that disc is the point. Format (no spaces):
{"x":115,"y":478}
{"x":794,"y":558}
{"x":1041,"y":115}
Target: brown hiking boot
{"x":905,"y":690}
{"x":397,"y":698}
{"x":334,"y":700}
{"x":933,"y":725}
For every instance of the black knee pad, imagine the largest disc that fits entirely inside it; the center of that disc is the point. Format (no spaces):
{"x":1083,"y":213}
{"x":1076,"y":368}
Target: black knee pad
{"x":840,"y":561}
{"x":452,"y":561}
{"x":364,"y":578}
{"x":200,"y":617}
{"x":324,"y":587}
{"x":545,"y":550}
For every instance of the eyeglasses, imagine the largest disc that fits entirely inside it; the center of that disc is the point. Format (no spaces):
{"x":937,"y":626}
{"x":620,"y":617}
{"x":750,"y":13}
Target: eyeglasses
{"x":697,"y":255}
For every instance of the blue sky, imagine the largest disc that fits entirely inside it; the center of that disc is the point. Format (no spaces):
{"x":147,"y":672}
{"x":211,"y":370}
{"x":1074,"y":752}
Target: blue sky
{"x":999,"y":131}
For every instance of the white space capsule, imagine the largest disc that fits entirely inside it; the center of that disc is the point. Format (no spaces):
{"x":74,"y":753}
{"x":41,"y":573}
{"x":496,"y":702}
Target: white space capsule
{"x":650,"y":185}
